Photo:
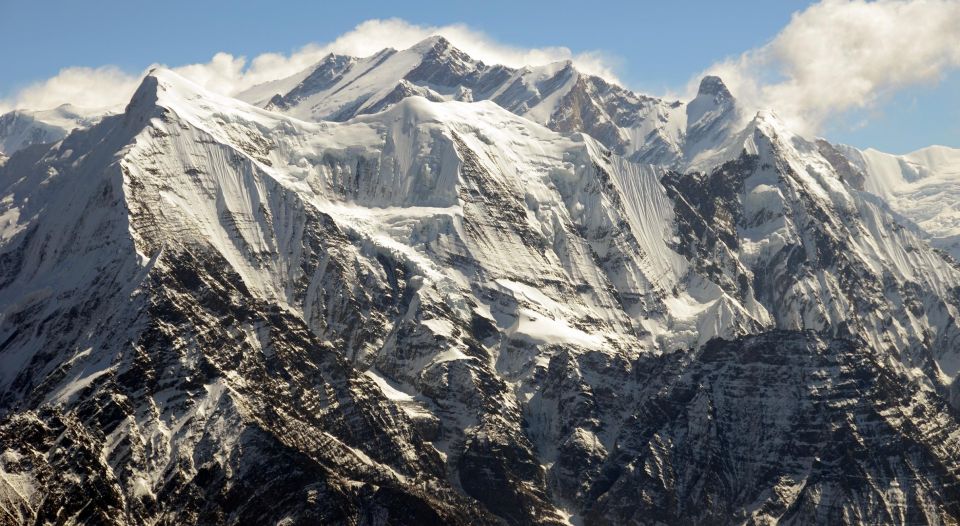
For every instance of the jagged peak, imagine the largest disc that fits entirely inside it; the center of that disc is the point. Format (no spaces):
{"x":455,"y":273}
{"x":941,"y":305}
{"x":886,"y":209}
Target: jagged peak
{"x":558,"y":66}
{"x":438,"y":49}
{"x":766,"y":124}
{"x":713,"y":104}
{"x":769,"y":121}
{"x":433,"y":43}
{"x":163,"y":89}
{"x":334,"y":58}
{"x":146,"y":94}
{"x":713,"y":86}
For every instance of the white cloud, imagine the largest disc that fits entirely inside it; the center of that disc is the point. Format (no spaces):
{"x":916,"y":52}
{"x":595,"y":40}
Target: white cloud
{"x":374,"y":35}
{"x":229,"y":74}
{"x":85,"y":87}
{"x":841,"y":55}
{"x":833,"y":57}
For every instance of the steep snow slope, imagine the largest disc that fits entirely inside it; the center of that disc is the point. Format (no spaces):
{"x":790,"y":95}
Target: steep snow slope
{"x":202,"y":206}
{"x":821,"y":255}
{"x":22,"y":128}
{"x":446,"y":312}
{"x":145,"y":374}
{"x":923,"y":187}
{"x":412,"y":175}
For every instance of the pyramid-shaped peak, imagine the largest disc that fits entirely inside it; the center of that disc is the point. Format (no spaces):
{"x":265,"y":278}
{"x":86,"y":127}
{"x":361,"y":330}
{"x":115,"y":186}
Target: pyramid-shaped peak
{"x":712,"y":85}
{"x":434,"y":43}
{"x":438,"y":50}
{"x":160,"y":80}
{"x":146,"y":93}
{"x":163,"y":88}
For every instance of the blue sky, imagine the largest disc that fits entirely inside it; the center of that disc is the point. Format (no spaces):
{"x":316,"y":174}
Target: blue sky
{"x":654,"y":46}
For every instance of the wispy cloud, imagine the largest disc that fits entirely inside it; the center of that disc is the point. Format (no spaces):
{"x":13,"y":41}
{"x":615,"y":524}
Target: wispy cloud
{"x":230,"y":74}
{"x":841,"y":55}
{"x":831,"y":58}
{"x":85,"y":87}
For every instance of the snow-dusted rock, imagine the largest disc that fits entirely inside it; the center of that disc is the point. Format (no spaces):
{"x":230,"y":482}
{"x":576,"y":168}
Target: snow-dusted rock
{"x":414,"y":288}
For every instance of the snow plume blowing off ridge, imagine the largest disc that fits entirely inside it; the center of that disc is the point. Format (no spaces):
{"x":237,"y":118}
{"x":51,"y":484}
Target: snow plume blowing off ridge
{"x":841,"y":55}
{"x":228,"y":74}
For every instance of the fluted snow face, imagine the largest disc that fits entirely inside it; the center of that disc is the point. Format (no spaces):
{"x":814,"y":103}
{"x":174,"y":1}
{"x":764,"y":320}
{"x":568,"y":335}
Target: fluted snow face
{"x":439,"y":310}
{"x":922,"y":187}
{"x":433,"y":183}
{"x":819,"y":250}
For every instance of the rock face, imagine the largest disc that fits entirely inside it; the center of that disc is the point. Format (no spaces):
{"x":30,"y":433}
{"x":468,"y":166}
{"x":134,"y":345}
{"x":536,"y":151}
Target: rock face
{"x":784,"y":427}
{"x":471,"y":300}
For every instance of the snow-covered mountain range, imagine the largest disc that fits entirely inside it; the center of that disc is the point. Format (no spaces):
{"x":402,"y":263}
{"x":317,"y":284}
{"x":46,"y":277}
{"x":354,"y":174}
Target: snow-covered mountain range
{"x":415,"y":288}
{"x":22,"y":128}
